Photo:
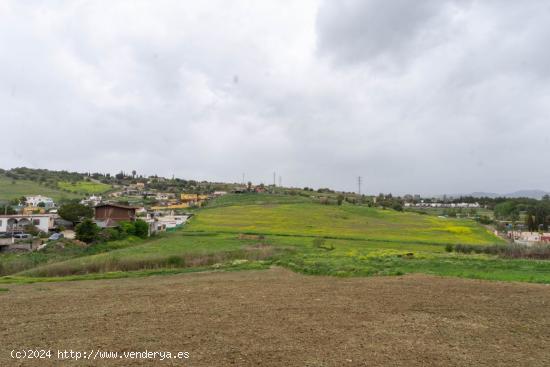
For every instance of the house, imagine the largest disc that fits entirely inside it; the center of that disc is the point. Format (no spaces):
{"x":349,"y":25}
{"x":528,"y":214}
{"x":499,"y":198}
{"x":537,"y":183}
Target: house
{"x":92,"y":201}
{"x":39,"y":200}
{"x":10,"y":223}
{"x":529,"y":238}
{"x":159,"y":223}
{"x":161,"y":196}
{"x":141,"y":211}
{"x":219,"y":193}
{"x":28,"y":210}
{"x":108,"y":215}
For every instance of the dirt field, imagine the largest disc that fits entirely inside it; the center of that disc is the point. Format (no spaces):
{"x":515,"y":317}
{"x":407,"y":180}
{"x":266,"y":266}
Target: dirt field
{"x":278,"y":318}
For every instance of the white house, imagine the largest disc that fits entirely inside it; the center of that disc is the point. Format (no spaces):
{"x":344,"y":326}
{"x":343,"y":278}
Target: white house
{"x":44,"y":222}
{"x":165,"y":196}
{"x":92,"y":200}
{"x":34,"y":201}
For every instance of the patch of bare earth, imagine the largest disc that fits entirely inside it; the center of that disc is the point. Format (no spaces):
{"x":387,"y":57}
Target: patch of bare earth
{"x":278,"y":318}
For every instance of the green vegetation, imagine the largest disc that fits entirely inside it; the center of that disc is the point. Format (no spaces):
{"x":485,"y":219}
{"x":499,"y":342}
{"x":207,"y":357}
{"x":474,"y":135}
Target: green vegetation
{"x":345,"y":222}
{"x":87,"y":231}
{"x":75,"y":212}
{"x":258,"y":230}
{"x":11,"y":188}
{"x":84,"y":187}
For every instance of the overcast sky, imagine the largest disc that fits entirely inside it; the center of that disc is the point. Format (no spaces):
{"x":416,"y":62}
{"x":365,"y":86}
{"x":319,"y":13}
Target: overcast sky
{"x":425,"y":97}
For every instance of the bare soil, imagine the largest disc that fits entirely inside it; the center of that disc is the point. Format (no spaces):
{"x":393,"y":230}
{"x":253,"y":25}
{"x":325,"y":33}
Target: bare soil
{"x":279,"y":318}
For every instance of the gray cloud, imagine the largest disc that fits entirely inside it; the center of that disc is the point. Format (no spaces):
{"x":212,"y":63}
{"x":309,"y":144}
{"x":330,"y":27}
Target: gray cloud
{"x":429,"y":97}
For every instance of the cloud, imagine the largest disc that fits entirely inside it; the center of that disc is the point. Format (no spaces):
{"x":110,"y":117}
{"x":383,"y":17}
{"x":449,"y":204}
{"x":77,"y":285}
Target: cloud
{"x":355,"y":31}
{"x":428,"y":97}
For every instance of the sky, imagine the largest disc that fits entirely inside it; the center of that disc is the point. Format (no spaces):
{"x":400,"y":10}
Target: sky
{"x":427,"y":97}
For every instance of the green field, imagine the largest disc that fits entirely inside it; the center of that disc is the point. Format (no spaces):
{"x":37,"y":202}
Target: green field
{"x":257,"y":231}
{"x":84,"y":187}
{"x":346,"y":222}
{"x":11,"y":189}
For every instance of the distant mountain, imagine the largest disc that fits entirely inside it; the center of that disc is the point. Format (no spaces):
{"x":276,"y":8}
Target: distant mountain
{"x":484,"y":195}
{"x":534,"y":194}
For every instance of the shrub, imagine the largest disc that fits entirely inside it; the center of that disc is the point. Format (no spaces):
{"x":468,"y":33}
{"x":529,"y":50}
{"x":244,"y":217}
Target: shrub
{"x":87,"y":231}
{"x":512,"y":251}
{"x":141,"y":228}
{"x":449,"y":247}
{"x":127,"y":228}
{"x":318,"y":242}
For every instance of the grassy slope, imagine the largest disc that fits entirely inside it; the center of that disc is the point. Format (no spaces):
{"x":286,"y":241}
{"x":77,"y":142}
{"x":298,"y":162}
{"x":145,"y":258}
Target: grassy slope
{"x":9,"y":190}
{"x":347,"y":221}
{"x":86,"y":187}
{"x":407,"y":243}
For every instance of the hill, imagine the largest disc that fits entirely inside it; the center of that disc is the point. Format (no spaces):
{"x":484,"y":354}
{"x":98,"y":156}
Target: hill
{"x":261,"y":215}
{"x":23,"y":181}
{"x":255,"y":231}
{"x":11,"y":188}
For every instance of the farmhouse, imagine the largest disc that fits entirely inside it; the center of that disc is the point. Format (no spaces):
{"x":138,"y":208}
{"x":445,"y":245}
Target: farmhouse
{"x":10,"y":223}
{"x":108,"y":215}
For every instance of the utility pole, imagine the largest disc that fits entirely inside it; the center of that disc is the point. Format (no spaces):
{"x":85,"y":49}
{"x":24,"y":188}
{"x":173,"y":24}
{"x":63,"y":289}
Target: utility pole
{"x":359,"y":185}
{"x":280,"y":181}
{"x":243,"y":178}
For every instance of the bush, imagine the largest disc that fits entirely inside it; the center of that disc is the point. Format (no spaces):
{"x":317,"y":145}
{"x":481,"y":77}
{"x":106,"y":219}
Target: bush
{"x":74,"y":212}
{"x":449,"y":247}
{"x":127,"y":228}
{"x":110,"y":234}
{"x":513,"y":251}
{"x":87,"y":231}
{"x":141,"y":228}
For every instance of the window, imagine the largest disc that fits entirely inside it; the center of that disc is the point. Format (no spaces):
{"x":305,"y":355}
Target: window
{"x":36,"y":222}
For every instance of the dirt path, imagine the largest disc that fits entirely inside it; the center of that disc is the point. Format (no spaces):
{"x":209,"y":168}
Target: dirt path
{"x":278,"y":318}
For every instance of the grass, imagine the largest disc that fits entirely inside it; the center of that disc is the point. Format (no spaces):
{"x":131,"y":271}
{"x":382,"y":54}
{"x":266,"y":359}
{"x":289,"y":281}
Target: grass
{"x":178,"y":250}
{"x":84,"y":187}
{"x":250,"y":231}
{"x":346,"y":222}
{"x":11,"y":189}
{"x":257,"y":199}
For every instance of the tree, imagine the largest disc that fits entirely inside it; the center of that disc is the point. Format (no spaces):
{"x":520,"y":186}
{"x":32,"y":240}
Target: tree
{"x":141,"y":228}
{"x":87,"y":231}
{"x":531,"y":226}
{"x":127,"y":228}
{"x":340,"y":199}
{"x":75,"y":212}
{"x":32,"y":230}
{"x":6,"y":209}
{"x":134,"y":174}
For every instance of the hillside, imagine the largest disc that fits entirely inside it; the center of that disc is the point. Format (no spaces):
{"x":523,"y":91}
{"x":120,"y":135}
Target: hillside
{"x":256,"y":231}
{"x":22,"y":181}
{"x":10,"y":189}
{"x":305,"y":218}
